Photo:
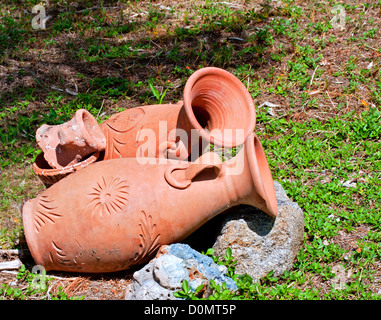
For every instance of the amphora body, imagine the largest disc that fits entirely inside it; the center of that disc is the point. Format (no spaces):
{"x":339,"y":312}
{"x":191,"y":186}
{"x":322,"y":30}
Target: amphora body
{"x":116,"y":213}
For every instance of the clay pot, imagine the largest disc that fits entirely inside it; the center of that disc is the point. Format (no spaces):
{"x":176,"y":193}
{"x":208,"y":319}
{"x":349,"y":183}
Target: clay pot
{"x":116,"y":213}
{"x":50,"y":176}
{"x":71,"y":142}
{"x":216,"y":108}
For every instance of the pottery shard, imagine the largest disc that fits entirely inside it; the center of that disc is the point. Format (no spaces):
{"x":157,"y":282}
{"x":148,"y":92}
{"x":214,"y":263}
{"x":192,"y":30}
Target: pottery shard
{"x":260,"y":243}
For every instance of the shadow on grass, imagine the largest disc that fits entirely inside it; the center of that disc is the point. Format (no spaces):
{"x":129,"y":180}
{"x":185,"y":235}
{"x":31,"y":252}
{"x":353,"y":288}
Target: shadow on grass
{"x":99,"y":60}
{"x":97,"y":44}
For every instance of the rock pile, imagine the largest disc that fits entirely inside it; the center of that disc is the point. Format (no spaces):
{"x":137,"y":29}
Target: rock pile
{"x":174,"y":263}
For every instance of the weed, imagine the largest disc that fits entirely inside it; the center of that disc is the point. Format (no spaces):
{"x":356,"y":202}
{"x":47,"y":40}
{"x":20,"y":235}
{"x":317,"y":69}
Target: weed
{"x":158,"y":96}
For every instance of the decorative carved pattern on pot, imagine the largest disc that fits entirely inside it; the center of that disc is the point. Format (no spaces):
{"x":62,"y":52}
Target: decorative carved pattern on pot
{"x":108,"y":196}
{"x":45,"y":212}
{"x":149,"y":238}
{"x":123,"y":122}
{"x":59,"y":255}
{"x":117,"y":126}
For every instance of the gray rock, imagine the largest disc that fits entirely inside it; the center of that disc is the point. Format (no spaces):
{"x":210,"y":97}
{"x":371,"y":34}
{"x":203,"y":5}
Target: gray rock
{"x":169,"y":271}
{"x":260,"y":243}
{"x":199,"y":265}
{"x":144,"y":287}
{"x":162,"y":276}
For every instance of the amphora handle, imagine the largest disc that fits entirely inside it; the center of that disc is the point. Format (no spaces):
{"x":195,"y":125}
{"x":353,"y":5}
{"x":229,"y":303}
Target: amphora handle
{"x":181,"y":175}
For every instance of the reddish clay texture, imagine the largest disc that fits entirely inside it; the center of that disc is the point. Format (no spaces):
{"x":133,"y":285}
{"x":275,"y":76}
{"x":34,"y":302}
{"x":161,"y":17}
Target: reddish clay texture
{"x":49,"y":176}
{"x":70,"y":143}
{"x":116,"y":213}
{"x":216,"y":105}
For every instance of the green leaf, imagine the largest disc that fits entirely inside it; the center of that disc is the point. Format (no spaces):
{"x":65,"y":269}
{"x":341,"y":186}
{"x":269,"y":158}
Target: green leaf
{"x":154,"y":91}
{"x":209,"y":252}
{"x":199,"y":288}
{"x":228,"y":253}
{"x":185,"y":286}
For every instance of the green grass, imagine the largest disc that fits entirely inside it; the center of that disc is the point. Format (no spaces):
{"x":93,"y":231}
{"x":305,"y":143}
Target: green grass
{"x":300,"y":151}
{"x":34,"y":284}
{"x":322,"y":141}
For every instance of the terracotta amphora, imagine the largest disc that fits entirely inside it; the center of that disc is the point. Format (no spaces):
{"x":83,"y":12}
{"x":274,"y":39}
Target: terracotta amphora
{"x":71,"y":142}
{"x":216,"y":108}
{"x":116,"y":213}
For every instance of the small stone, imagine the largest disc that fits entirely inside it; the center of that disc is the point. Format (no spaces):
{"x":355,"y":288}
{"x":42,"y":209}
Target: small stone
{"x":223,"y":269}
{"x":349,"y":184}
{"x":169,"y":272}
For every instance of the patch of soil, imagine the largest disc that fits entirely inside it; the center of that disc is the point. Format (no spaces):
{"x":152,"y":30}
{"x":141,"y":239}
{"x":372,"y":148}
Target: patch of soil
{"x":110,"y":286}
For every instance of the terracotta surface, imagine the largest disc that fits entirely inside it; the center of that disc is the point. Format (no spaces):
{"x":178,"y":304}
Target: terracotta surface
{"x":116,"y":213}
{"x":214,"y":102}
{"x":49,"y":176}
{"x":70,"y":143}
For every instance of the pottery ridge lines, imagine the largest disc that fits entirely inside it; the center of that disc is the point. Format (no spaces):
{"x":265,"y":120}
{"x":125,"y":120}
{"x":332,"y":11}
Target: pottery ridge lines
{"x":115,"y":146}
{"x":129,"y":120}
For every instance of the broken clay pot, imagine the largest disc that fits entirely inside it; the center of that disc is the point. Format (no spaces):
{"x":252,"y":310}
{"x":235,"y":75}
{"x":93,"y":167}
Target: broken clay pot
{"x":216,"y":108}
{"x":71,"y":142}
{"x":116,"y":213}
{"x":50,"y":176}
